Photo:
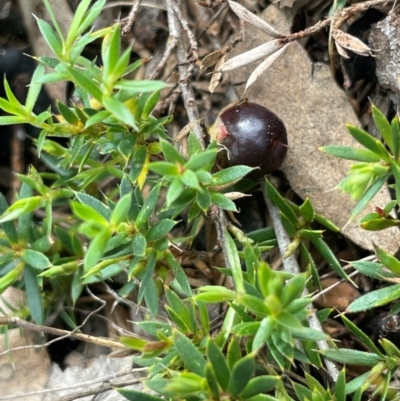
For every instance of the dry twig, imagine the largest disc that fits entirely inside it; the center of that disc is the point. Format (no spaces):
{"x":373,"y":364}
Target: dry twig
{"x":129,"y":20}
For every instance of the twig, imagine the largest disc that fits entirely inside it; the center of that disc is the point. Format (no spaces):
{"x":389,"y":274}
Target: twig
{"x":189,"y":33}
{"x":290,"y":265}
{"x":336,"y":20}
{"x":128,"y":21}
{"x":103,"y":380}
{"x":16,"y":321}
{"x":184,"y":73}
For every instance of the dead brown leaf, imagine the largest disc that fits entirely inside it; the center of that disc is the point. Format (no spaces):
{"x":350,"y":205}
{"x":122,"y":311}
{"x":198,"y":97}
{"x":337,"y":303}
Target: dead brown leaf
{"x":256,"y":53}
{"x":314,"y":109}
{"x":217,"y":74}
{"x":351,"y":43}
{"x":253,"y":20}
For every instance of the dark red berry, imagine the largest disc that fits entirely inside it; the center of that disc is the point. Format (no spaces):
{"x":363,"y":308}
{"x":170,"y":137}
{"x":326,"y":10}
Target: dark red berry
{"x":251,"y":135}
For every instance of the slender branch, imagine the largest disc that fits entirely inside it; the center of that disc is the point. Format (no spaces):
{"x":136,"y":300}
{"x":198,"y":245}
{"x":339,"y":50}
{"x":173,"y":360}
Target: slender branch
{"x":103,"y":381}
{"x":336,"y":20}
{"x":290,"y":265}
{"x":16,"y":321}
{"x":128,"y":21}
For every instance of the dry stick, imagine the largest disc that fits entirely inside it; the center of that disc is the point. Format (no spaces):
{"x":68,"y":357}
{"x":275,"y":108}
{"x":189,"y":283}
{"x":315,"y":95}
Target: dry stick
{"x":128,"y":21}
{"x":193,"y":115}
{"x":104,"y":381}
{"x":184,"y":72}
{"x":336,"y":20}
{"x":290,"y":265}
{"x":16,"y":321}
{"x":189,"y":34}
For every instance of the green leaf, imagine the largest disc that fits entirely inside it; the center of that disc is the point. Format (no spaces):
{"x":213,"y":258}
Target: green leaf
{"x":150,"y":104}
{"x":76,"y":21}
{"x":194,"y":145}
{"x":50,"y":37}
{"x":12,"y":108}
{"x":96,"y":248}
{"x":369,"y":142}
{"x":27,"y":203}
{"x":396,"y":137}
{"x":305,"y":333}
{"x":280,"y":202}
{"x":179,"y":274}
{"x":212,"y":381}
{"x":33,"y":295}
{"x":160,"y":230}
{"x":121,"y":209}
{"x":174,"y":191}
{"x":254,"y":304}
{"x":190,"y":179}
{"x":8,"y":226}
{"x":293,"y":289}
{"x":241,"y":374}
{"x":11,"y":120}
{"x":136,"y":86}
{"x":234,"y":352}
{"x":392,"y":263}
{"x":203,"y":199}
{"x":234,"y":261}
{"x":35,"y":259}
{"x":138,"y":162}
{"x":164,"y":168}
{"x":219,"y":363}
{"x":263,"y":333}
{"x":87,"y":84}
{"x":148,"y":274}
{"x":352,"y":357}
{"x":222,"y":201}
{"x":374,"y":270}
{"x":69,"y":116}
{"x":350,"y":153}
{"x":329,"y":256}
{"x":378,"y":224}
{"x":110,"y":53}
{"x":190,"y":355}
{"x":375,"y":298}
{"x":88,"y":213}
{"x":383,"y":125}
{"x":34,"y":88}
{"x":214,"y":293}
{"x":135,"y":395}
{"x":358,"y":333}
{"x":120,"y":111}
{"x":12,"y":276}
{"x":148,"y":207}
{"x":139,"y":244}
{"x":259,"y":385}
{"x":230,"y":175}
{"x":369,"y":194}
{"x":90,"y":16}
{"x":202,"y":160}
{"x":307,"y":211}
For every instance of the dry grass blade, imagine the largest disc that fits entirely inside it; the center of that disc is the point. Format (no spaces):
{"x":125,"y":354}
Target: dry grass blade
{"x":255,"y":54}
{"x":253,"y":20}
{"x":263,"y":66}
{"x":217,"y":74}
{"x":350,"y":42}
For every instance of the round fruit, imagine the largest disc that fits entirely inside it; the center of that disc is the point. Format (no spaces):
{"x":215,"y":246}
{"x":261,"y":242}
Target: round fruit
{"x":250,"y":135}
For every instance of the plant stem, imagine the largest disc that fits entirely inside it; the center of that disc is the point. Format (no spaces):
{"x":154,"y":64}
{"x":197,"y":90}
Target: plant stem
{"x":290,"y":265}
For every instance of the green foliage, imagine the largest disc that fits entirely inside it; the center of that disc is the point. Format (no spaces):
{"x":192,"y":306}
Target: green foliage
{"x":68,"y":227}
